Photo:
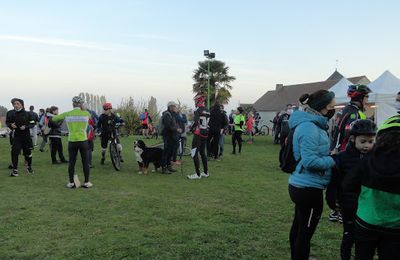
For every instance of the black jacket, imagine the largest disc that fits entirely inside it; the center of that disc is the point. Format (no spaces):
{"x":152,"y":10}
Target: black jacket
{"x":55,"y":127}
{"x":347,"y":116}
{"x":218,"y":119}
{"x":170,"y":126}
{"x":377,"y":180}
{"x":20,"y":118}
{"x":345,"y":162}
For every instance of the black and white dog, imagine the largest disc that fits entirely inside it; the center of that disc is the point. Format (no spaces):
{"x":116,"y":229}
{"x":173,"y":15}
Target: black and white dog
{"x":146,"y":155}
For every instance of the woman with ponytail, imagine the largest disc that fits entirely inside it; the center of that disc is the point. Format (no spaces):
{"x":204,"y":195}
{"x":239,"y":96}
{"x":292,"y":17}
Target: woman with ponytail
{"x":313,"y":172}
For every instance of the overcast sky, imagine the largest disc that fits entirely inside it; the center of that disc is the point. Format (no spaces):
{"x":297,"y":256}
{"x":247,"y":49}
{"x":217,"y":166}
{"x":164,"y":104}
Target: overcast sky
{"x":52,"y":50}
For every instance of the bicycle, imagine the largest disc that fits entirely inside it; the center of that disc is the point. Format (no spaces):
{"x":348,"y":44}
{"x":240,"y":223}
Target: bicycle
{"x":115,"y":154}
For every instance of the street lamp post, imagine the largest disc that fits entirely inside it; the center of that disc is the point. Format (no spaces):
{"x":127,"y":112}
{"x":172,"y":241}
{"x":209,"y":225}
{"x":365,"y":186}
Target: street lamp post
{"x":209,"y":55}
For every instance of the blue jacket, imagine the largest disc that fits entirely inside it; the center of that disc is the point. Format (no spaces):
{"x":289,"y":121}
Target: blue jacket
{"x":311,"y":146}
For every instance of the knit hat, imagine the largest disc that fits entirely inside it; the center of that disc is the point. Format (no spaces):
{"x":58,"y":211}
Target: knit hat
{"x":318,"y":102}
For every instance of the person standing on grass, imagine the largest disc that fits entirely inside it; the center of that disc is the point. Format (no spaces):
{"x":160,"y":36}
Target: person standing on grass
{"x":77,"y":122}
{"x":377,"y":181}
{"x":200,"y":128}
{"x":313,"y":171}
{"x":34,"y":129}
{"x":20,"y":122}
{"x":145,"y":121}
{"x":55,"y":138}
{"x":250,"y":127}
{"x":239,"y":124}
{"x":216,"y":124}
{"x":361,"y":142}
{"x":224,"y":131}
{"x":397,"y":103}
{"x":43,"y":122}
{"x":170,"y":130}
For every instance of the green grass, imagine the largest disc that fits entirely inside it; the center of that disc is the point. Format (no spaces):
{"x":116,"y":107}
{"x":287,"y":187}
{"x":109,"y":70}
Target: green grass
{"x":242,"y":211}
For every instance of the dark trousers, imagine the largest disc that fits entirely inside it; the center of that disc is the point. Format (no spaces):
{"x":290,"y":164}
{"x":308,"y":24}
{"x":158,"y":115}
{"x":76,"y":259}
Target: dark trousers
{"x":213,"y":143}
{"x":169,"y":144}
{"x":237,"y":138}
{"x":308,"y":208}
{"x":44,"y":142}
{"x":199,"y":143}
{"x":83,"y":148}
{"x":175,"y":148}
{"x":90,"y":152}
{"x":23,"y":143}
{"x":368,"y":241}
{"x":56,"y":146}
{"x":348,"y":216}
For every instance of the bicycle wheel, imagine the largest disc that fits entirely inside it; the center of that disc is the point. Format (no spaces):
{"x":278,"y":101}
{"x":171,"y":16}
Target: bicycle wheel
{"x":115,"y":156}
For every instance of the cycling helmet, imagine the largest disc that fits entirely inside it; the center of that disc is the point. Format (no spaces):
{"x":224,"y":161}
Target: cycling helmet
{"x":390,"y":123}
{"x":363,"y":127}
{"x":358,"y":91}
{"x":199,"y":99}
{"x":107,"y":106}
{"x":77,"y":100}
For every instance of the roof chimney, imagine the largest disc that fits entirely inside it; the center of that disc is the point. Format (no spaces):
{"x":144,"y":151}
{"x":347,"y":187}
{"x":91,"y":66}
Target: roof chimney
{"x":279,"y":86}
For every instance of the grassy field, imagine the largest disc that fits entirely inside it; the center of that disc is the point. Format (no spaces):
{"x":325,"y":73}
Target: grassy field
{"x":242,"y":211}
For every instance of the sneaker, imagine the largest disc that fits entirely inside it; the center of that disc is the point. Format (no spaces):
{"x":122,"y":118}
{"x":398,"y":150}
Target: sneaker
{"x":333,"y":216}
{"x":14,"y":173}
{"x":30,"y":170}
{"x":71,"y":185}
{"x":121,"y":160}
{"x":205,"y":175}
{"x":102,"y":161}
{"x":76,"y":181}
{"x":42,"y":150}
{"x":87,"y":185}
{"x":339,"y":217}
{"x":194,"y":176}
{"x":10,"y":167}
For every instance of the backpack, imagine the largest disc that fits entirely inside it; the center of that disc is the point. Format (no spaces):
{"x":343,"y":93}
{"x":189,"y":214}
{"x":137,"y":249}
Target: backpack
{"x":287,"y":162}
{"x":160,"y":125}
{"x":142,"y":116}
{"x":284,"y":126}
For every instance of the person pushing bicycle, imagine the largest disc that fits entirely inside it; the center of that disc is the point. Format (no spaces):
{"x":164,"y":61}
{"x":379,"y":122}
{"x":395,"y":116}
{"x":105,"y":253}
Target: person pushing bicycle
{"x":107,"y":125}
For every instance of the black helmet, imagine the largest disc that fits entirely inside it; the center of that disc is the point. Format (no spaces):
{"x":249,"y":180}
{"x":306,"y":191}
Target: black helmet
{"x":358,"y":91}
{"x":363,"y":127}
{"x":240,"y":109}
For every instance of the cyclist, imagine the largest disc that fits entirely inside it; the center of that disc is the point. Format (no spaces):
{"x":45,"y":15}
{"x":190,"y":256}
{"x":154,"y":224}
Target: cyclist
{"x":239,"y":125}
{"x":77,"y":122}
{"x":200,"y":135}
{"x":108,"y":121}
{"x":20,"y":122}
{"x":354,"y":110}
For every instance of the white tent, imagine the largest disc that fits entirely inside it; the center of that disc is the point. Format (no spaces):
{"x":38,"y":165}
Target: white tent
{"x":340,"y":88}
{"x":386,"y":83}
{"x":382,"y":98}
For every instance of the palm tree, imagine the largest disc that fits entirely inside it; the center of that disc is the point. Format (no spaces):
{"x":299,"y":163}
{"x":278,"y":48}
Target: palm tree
{"x":219,"y":81}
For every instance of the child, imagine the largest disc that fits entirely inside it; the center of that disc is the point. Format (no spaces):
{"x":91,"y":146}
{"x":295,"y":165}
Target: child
{"x":249,"y":127}
{"x":361,"y":141}
{"x":377,"y":222}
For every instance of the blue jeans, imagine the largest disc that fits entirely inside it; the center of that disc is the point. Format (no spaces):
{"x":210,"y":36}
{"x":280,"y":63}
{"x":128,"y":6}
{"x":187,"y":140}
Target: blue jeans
{"x":221,"y":144}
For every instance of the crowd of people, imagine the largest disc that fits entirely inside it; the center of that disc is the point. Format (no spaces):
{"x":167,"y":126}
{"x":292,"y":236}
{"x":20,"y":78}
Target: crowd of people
{"x":354,"y":161}
{"x":358,"y":167}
